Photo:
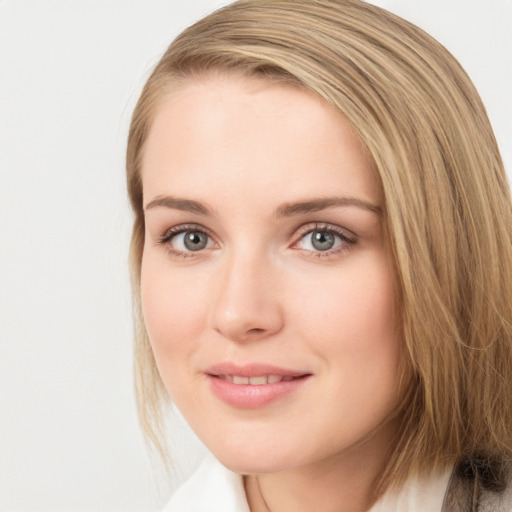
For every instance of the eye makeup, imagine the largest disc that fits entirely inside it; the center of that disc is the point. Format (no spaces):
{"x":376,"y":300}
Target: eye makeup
{"x":315,"y":239}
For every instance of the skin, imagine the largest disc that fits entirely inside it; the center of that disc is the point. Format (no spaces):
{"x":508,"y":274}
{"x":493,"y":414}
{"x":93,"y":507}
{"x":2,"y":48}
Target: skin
{"x":260,"y":291}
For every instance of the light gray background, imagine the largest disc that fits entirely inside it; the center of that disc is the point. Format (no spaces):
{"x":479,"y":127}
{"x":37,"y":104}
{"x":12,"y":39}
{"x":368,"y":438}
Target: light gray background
{"x":70,"y":73}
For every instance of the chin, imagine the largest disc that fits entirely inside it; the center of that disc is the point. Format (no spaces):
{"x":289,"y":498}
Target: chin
{"x":253,"y":458}
{"x":252,"y":466}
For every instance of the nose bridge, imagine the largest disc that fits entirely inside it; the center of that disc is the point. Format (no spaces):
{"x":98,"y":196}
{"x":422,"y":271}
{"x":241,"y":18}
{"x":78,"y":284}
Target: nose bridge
{"x":246,"y":305}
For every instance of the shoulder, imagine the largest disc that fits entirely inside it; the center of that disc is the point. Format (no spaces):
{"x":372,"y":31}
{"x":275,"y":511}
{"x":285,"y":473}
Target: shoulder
{"x":211,"y":488}
{"x":497,"y":500}
{"x":492,"y":501}
{"x":471,"y":489}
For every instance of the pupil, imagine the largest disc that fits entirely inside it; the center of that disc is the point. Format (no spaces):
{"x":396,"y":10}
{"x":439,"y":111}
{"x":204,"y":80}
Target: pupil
{"x":195,"y":241}
{"x":322,"y":241}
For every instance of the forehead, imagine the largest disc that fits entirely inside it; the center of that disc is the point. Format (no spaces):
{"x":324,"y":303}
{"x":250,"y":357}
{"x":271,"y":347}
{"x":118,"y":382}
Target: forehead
{"x":249,"y":131}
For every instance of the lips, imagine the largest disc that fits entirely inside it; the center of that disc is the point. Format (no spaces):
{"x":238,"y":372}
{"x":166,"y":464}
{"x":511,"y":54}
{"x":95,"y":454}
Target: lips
{"x":257,"y":380}
{"x":253,"y":386}
{"x":251,"y":370}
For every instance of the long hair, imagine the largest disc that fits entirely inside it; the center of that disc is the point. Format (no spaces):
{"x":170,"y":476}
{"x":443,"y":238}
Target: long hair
{"x":447,"y":206}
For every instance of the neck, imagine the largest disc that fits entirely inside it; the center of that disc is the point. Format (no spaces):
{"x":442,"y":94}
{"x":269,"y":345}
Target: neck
{"x":340,"y":483}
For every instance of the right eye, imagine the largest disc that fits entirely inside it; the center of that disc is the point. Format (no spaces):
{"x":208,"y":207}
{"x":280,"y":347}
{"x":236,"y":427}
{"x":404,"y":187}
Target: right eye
{"x":190,"y":241}
{"x":186,"y":240}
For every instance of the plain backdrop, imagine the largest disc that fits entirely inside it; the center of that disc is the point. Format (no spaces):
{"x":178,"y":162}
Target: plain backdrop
{"x":70,"y":73}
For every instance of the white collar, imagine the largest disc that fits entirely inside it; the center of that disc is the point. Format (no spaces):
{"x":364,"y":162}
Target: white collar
{"x":214,"y":488}
{"x":417,"y":495}
{"x":211,"y":488}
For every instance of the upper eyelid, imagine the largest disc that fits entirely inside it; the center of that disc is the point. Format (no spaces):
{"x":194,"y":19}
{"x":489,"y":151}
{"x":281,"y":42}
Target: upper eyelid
{"x":325,"y":226}
{"x":180,"y":228}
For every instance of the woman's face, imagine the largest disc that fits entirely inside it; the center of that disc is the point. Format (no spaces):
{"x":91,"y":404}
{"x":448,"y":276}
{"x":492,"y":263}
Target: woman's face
{"x":267,"y":287}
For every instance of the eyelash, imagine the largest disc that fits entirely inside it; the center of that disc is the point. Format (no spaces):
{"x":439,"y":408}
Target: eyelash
{"x":348,"y":239}
{"x":165,"y":239}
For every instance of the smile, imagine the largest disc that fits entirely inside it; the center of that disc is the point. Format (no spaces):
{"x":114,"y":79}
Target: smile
{"x":258,"y":380}
{"x":254,"y":386}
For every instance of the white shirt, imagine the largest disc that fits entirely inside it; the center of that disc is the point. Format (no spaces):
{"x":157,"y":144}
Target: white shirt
{"x":214,"y":488}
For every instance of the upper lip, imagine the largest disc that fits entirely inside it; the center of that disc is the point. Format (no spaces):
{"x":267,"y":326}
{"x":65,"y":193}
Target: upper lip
{"x":252,"y":370}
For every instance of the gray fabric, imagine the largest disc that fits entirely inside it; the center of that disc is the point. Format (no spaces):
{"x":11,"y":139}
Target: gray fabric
{"x":460,"y":495}
{"x":468,"y":495}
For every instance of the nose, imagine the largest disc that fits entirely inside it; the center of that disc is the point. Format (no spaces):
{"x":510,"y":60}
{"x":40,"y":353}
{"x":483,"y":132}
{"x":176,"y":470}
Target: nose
{"x":246,"y":306}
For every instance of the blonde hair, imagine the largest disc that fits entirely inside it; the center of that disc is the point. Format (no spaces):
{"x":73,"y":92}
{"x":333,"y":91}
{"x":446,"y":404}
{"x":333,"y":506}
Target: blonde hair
{"x":448,"y":210}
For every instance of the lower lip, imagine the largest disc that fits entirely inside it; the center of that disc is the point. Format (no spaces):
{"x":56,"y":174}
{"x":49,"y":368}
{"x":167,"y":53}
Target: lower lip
{"x":248,"y":396}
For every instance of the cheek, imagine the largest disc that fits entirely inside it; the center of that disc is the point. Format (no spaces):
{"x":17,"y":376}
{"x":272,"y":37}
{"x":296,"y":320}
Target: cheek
{"x":173,"y":310}
{"x":358,"y":340}
{"x":352,"y":310}
{"x":350,"y":323}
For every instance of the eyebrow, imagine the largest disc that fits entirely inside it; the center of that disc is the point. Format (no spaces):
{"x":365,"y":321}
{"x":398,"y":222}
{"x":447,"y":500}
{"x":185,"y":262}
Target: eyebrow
{"x":284,"y":210}
{"x":176,"y":203}
{"x":316,"y":205}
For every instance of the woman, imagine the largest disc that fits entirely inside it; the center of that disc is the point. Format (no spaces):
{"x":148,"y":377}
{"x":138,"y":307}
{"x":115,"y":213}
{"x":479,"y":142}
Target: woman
{"x":321,"y":263}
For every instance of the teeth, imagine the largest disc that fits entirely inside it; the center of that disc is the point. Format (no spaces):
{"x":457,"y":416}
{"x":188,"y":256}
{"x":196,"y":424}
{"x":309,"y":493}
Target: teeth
{"x":256,"y":381}
{"x":259,"y":380}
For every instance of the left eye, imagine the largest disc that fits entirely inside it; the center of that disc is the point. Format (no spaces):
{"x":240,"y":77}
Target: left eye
{"x":320,"y":240}
{"x":191,"y":241}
